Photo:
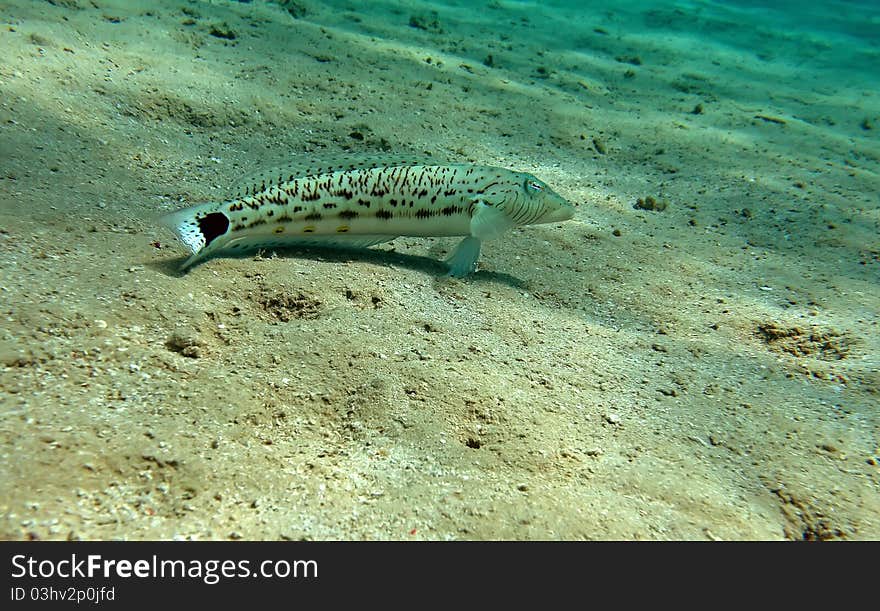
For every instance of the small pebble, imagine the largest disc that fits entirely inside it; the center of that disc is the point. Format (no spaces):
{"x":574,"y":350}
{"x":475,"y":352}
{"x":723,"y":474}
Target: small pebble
{"x":185,"y":342}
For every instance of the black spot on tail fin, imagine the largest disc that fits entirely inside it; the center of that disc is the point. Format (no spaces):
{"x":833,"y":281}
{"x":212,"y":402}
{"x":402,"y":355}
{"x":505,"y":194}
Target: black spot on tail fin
{"x":213,"y":225}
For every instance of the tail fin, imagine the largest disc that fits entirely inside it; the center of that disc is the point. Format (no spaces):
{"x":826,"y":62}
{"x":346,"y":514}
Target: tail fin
{"x":197,"y":227}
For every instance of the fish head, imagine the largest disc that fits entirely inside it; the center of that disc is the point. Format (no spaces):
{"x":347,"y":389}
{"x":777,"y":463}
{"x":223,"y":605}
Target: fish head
{"x":554,"y":207}
{"x":530,"y":201}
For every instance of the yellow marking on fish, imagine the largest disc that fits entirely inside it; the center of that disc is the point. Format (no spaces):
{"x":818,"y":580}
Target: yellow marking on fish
{"x":342,"y":229}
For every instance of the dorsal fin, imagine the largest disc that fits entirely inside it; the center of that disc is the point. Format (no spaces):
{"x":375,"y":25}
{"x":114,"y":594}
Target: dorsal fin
{"x":309,"y":165}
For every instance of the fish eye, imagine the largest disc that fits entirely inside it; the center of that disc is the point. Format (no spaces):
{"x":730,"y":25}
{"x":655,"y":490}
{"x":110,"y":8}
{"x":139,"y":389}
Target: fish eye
{"x":534,"y":185}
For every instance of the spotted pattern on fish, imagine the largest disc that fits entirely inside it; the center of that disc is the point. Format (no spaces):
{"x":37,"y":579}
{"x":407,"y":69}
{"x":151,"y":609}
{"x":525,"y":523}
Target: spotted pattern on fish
{"x":360,"y":205}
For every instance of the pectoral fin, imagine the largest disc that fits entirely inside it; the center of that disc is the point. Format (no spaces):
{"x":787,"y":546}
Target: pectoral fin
{"x":463,"y":260}
{"x":488,"y":222}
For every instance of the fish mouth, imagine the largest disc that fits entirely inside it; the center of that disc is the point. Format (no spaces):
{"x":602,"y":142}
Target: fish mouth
{"x":564,"y":212}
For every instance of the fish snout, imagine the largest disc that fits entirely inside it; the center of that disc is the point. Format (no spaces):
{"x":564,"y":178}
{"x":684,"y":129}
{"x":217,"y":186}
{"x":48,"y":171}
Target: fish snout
{"x":558,"y":210}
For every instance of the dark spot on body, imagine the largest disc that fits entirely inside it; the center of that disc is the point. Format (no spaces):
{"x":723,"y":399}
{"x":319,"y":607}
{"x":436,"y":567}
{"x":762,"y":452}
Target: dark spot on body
{"x":212,"y":226}
{"x":383,"y":214}
{"x":314,"y":216}
{"x":348,"y":214}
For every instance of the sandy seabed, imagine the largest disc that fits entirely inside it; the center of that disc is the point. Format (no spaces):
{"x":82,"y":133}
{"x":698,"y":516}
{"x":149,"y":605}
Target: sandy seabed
{"x":700,"y":364}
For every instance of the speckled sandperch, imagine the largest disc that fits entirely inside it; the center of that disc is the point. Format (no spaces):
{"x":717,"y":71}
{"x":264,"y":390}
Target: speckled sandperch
{"x":354,"y":205}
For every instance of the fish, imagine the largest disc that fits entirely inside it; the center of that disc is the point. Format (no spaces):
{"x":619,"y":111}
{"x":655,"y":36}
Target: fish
{"x":356,"y":204}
